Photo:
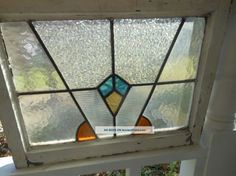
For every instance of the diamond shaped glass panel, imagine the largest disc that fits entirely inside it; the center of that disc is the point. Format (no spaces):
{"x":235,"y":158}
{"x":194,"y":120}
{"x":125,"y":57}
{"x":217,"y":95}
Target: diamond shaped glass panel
{"x":106,"y":87}
{"x":121,"y":86}
{"x":114,"y":101}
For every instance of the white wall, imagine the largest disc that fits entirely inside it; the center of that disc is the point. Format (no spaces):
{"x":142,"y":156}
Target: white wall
{"x":222,"y":155}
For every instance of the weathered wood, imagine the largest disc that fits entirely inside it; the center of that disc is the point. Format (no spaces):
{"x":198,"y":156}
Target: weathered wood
{"x":208,"y":65}
{"x":8,"y":114}
{"x":106,"y":147}
{"x":123,"y":161}
{"x":14,"y":10}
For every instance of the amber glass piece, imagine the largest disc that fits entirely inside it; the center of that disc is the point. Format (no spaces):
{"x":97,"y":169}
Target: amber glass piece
{"x":143,"y":121}
{"x":85,"y":133}
{"x":114,"y":101}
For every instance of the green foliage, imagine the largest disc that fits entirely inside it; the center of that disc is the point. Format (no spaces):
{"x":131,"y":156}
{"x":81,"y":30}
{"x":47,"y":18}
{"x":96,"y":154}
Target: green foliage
{"x":37,"y":79}
{"x":116,"y":173}
{"x":171,"y":169}
{"x":109,"y":173}
{"x":152,"y":170}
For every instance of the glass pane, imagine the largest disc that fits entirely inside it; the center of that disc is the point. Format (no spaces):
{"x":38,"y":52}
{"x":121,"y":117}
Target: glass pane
{"x":106,"y":87}
{"x":121,"y":86}
{"x":141,"y":46}
{"x":94,"y":108}
{"x":79,"y":48}
{"x":113,"y":101}
{"x":132,"y":106}
{"x":170,"y":105}
{"x":32,"y":70}
{"x":183,"y":61}
{"x":50,"y":118}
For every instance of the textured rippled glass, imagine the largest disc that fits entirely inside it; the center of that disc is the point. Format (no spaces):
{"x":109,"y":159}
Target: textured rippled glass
{"x":31,"y":68}
{"x":184,"y":58}
{"x":50,"y":118}
{"x":170,"y":105}
{"x":132,"y":106}
{"x":94,"y":108}
{"x":81,"y":49}
{"x":141,"y":46}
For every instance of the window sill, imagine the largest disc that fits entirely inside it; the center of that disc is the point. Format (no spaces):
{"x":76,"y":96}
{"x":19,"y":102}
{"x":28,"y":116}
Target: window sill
{"x":94,"y":165}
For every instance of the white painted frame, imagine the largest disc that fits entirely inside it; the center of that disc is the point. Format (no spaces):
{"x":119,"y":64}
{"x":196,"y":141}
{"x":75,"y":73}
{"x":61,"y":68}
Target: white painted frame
{"x":132,"y":162}
{"x":216,"y":12}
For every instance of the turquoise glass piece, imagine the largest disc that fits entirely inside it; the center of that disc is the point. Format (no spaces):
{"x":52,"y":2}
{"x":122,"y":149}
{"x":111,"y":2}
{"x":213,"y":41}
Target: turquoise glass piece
{"x":121,"y":86}
{"x":106,"y":87}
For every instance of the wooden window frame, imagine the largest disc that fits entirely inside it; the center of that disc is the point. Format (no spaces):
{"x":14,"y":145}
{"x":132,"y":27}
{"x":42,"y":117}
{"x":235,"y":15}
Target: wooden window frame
{"x":216,"y":13}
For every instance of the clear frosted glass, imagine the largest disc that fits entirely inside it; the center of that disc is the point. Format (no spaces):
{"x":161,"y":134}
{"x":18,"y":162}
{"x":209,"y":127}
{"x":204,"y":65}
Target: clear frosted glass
{"x":141,"y":46}
{"x":81,"y":49}
{"x":50,"y":118}
{"x":170,"y":105}
{"x":94,"y":108}
{"x":183,"y":61}
{"x":31,"y":68}
{"x":132,"y":106}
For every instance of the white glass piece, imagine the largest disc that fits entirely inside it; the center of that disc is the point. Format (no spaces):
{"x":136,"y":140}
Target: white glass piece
{"x":31,"y":68}
{"x":183,"y":61}
{"x":94,"y":108}
{"x":132,"y":106}
{"x":50,"y":118}
{"x":81,"y":49}
{"x":170,"y":105}
{"x":141,"y":46}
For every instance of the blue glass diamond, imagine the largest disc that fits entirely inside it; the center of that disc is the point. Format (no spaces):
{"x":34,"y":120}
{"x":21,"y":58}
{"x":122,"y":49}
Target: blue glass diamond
{"x":106,"y":87}
{"x":121,"y":86}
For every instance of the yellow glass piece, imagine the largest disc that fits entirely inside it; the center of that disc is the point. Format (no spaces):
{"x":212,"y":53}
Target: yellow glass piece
{"x":114,"y":101}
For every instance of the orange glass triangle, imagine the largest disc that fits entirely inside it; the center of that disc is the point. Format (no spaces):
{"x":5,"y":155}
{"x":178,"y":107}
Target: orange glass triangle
{"x":85,"y":133}
{"x":143,"y":121}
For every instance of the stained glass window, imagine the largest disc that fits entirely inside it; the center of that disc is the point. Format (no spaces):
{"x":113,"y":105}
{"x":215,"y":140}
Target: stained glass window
{"x":73,"y":76}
